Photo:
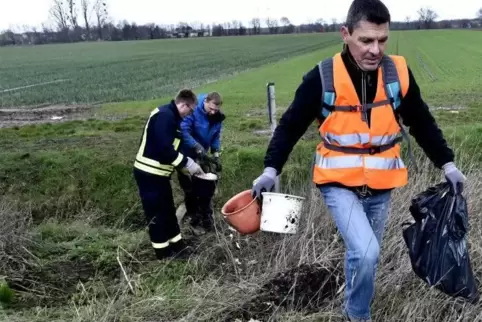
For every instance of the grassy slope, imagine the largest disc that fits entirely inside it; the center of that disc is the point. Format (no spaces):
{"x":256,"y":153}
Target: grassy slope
{"x":137,"y":70}
{"x":77,"y":177}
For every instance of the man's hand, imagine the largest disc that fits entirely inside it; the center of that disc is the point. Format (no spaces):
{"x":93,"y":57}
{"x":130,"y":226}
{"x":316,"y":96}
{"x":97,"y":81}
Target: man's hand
{"x":217,"y":162}
{"x":192,"y":167}
{"x":454,"y":177}
{"x":265,"y":182}
{"x":200,"y":151}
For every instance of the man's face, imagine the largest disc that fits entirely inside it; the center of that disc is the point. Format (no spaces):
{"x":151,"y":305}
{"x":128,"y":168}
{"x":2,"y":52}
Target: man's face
{"x":211,"y":107}
{"x":367,"y":43}
{"x":185,"y":109}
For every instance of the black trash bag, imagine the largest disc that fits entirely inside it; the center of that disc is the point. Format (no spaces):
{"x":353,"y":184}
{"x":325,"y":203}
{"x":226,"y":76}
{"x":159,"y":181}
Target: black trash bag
{"x":437,"y":243}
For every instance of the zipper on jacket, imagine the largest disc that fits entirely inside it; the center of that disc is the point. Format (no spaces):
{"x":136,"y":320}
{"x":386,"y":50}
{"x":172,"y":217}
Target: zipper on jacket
{"x":364,"y":115}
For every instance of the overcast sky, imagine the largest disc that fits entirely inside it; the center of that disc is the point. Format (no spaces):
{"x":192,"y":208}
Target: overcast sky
{"x":35,"y":12}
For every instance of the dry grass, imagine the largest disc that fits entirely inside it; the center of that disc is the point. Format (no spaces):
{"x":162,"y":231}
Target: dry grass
{"x":14,"y":241}
{"x":269,"y":277}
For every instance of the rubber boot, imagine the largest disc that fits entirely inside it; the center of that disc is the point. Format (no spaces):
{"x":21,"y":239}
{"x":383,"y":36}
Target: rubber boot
{"x":162,"y":253}
{"x":180,"y":250}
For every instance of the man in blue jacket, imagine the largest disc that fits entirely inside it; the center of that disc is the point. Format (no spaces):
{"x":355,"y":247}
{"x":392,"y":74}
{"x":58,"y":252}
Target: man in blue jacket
{"x":201,"y":132}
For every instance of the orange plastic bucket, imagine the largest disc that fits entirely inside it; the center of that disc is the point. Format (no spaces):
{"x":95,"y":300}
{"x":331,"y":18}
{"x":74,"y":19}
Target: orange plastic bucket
{"x":243,"y":213}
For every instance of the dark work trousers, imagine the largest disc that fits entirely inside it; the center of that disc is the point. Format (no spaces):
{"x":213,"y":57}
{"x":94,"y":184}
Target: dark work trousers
{"x":158,"y":203}
{"x":198,"y":203}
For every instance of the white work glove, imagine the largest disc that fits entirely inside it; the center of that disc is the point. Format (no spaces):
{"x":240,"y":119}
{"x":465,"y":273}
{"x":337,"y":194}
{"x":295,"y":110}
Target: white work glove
{"x":454,"y":177}
{"x":265,"y":182}
{"x":192,"y":167}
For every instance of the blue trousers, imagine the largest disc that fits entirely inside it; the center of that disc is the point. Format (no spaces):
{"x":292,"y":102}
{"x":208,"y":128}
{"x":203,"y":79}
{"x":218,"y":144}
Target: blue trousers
{"x":361,"y":223}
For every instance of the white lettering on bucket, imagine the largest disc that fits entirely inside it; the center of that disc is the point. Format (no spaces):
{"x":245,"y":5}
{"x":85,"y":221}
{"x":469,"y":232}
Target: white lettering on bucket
{"x":280,"y":212}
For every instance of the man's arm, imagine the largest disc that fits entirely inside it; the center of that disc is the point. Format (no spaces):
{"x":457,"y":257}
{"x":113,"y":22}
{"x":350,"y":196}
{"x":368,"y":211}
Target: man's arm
{"x":216,"y":142}
{"x":186,"y":130}
{"x":165,"y":129}
{"x":423,"y":127}
{"x":295,"y":120}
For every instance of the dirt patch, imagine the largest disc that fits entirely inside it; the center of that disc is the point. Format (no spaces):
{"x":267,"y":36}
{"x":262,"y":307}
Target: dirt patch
{"x":306,"y":287}
{"x":50,"y":284}
{"x":10,"y":117}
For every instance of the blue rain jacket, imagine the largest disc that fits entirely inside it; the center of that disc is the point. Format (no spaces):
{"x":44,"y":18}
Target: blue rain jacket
{"x":197,"y":128}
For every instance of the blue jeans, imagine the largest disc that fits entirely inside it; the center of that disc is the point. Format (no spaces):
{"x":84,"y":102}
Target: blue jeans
{"x":361,"y":223}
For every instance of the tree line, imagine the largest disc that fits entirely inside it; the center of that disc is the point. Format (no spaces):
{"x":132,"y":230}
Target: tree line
{"x":89,"y":20}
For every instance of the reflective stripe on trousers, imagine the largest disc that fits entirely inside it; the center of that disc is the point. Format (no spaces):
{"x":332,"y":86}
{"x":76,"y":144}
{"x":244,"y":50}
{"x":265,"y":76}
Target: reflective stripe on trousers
{"x":170,"y":241}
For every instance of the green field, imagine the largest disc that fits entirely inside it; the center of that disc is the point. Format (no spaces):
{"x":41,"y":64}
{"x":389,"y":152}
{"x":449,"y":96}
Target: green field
{"x":138,"y":70}
{"x":70,"y":216}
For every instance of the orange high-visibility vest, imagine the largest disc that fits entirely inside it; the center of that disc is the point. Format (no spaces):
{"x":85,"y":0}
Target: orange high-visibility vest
{"x":351,"y":153}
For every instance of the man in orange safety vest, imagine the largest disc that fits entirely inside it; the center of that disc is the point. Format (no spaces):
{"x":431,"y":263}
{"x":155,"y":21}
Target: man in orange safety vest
{"x":357,"y":97}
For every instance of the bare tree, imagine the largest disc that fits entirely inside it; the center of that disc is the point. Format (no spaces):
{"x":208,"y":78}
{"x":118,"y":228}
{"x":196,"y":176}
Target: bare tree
{"x":58,"y":13}
{"x":272,"y":25}
{"x":285,"y":21}
{"x":100,"y":8}
{"x":256,"y":24}
{"x":427,"y":17}
{"x":72,"y":13}
{"x":479,"y":14}
{"x":86,"y":14}
{"x":407,"y":22}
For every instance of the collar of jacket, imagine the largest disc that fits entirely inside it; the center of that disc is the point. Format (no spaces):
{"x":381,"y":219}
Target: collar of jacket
{"x":175,"y":111}
{"x":214,"y":118}
{"x":352,"y":67}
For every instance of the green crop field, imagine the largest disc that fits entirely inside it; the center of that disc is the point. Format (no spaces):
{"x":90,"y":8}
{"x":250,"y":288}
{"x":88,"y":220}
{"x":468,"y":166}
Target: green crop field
{"x":137,"y":70}
{"x":73,"y":243}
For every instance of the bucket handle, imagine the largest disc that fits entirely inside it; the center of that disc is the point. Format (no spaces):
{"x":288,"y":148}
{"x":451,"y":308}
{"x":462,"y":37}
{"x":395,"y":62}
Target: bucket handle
{"x":256,"y":199}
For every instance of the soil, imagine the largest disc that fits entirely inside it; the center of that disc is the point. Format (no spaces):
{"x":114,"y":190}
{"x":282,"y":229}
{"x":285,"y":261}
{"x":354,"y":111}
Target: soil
{"x":51,"y":284}
{"x":308,"y":287}
{"x":10,"y":117}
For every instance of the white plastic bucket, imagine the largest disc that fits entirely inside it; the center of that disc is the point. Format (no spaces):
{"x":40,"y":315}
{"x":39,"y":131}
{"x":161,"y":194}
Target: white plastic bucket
{"x":280,"y":212}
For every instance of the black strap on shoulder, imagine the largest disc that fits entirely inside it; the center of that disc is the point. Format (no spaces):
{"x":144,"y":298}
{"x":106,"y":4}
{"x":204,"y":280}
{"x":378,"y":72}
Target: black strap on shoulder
{"x":328,"y":94}
{"x":393,"y":90}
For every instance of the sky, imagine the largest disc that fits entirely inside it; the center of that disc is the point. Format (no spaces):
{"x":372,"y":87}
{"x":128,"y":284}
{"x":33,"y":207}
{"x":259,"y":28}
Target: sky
{"x":14,"y":13}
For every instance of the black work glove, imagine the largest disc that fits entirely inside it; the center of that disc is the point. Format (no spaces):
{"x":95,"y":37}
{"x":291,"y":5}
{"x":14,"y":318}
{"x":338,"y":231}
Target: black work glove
{"x":204,"y":162}
{"x":199,"y":150}
{"x":217,"y":164}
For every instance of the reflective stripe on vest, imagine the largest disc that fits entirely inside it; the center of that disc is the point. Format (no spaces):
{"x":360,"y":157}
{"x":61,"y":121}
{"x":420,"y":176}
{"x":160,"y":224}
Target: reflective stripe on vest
{"x":357,"y":161}
{"x":153,"y":166}
{"x":351,"y":153}
{"x":359,"y":139}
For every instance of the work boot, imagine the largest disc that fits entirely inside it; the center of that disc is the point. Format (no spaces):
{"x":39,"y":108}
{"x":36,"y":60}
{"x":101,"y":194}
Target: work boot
{"x":208,"y":223}
{"x":162,"y":253}
{"x":189,"y":217}
{"x":180,"y":250}
{"x":197,"y":227}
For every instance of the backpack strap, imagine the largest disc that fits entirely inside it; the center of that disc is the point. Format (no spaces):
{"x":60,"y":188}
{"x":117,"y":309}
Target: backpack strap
{"x":391,"y":81}
{"x":394,"y":94}
{"x":328,"y":94}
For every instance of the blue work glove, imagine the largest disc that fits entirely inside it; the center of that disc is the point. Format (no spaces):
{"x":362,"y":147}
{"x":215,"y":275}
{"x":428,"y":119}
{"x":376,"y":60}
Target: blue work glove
{"x":454,"y":177}
{"x":265,"y":182}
